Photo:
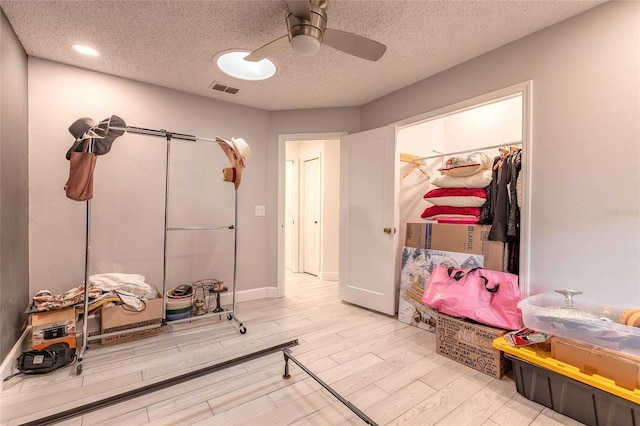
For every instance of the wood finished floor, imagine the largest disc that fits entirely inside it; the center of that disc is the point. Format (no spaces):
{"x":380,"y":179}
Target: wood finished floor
{"x":386,"y":368}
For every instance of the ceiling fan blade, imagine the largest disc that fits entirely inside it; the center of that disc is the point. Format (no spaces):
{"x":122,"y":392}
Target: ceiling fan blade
{"x":268,"y":49}
{"x":299,"y":8}
{"x":354,"y":44}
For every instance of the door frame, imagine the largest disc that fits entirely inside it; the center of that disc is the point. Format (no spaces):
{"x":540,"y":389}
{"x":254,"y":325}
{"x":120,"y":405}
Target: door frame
{"x":524,"y":89}
{"x":281,"y":208}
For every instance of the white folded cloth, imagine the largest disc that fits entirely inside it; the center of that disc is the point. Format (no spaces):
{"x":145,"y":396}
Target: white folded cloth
{"x":130,"y":283}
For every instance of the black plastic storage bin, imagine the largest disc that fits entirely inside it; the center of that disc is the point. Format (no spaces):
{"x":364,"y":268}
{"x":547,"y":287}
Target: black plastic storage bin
{"x":572,"y":398}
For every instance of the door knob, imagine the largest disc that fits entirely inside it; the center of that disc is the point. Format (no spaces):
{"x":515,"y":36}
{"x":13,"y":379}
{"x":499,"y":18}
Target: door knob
{"x":387,"y":230}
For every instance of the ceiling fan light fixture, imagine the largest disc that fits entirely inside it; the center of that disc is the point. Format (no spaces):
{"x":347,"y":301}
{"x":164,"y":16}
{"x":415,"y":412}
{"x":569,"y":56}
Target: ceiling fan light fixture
{"x":305,"y":44}
{"x":233,"y":64}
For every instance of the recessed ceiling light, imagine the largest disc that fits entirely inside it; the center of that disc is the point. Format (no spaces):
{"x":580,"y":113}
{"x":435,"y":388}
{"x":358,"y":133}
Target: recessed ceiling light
{"x":85,"y":50}
{"x":232,"y":63}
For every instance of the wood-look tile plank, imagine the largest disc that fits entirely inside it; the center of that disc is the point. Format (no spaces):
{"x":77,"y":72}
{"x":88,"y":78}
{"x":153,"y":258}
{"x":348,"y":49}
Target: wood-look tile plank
{"x":291,"y":412}
{"x":517,"y":411}
{"x":367,"y":397}
{"x":183,"y":398}
{"x":227,"y":400}
{"x":481,"y":405}
{"x":76,"y":421}
{"x":332,"y":414}
{"x":193,"y":414}
{"x":559,"y":418}
{"x":363,"y":378}
{"x":445,"y":374}
{"x":405,"y":375}
{"x":239,"y":413}
{"x":554,"y":420}
{"x":132,"y":418}
{"x":294,"y":391}
{"x":399,"y":402}
{"x":437,"y":406}
{"x":354,"y":366}
{"x":373,"y":344}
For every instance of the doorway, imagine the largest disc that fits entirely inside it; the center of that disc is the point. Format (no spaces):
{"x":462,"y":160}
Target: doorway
{"x":308,"y":201}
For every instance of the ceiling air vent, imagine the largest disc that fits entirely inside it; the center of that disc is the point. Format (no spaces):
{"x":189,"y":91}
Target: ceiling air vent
{"x":221,"y":87}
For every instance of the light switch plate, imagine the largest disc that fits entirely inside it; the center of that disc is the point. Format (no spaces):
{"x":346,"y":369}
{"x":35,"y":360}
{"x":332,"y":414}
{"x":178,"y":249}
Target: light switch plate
{"x":260,"y":211}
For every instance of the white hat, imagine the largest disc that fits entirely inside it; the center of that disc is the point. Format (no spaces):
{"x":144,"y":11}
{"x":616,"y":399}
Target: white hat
{"x":242,"y":148}
{"x":237,"y":150}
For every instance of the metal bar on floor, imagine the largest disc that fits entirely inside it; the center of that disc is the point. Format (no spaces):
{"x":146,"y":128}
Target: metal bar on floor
{"x":350,"y":406}
{"x":125,"y":396}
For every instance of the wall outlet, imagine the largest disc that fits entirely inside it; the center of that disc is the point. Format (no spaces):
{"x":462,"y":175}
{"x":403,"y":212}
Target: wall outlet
{"x":260,"y":210}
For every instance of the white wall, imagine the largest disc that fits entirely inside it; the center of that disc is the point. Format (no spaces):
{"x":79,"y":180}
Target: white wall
{"x":14,"y":195}
{"x":422,"y":140}
{"x":128,"y":203}
{"x":492,"y":124}
{"x":585,"y":177}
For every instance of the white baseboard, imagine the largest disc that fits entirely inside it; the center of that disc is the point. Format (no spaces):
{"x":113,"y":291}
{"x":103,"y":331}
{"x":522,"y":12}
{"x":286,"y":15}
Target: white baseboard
{"x":247,"y":295}
{"x":328,"y":276}
{"x":9,"y":363}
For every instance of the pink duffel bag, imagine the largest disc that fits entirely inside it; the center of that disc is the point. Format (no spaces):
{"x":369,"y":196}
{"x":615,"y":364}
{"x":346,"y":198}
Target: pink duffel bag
{"x":486,"y":296}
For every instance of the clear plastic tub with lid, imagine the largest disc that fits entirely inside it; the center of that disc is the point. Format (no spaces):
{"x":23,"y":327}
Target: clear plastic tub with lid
{"x":560,"y":314}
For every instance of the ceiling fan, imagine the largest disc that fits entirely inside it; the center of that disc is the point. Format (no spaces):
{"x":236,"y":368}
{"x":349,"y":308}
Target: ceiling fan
{"x":307,"y":31}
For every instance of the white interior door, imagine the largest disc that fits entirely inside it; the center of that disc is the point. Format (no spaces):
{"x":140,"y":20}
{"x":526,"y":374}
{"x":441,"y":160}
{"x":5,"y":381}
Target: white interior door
{"x":369,"y":220}
{"x":312,"y":216}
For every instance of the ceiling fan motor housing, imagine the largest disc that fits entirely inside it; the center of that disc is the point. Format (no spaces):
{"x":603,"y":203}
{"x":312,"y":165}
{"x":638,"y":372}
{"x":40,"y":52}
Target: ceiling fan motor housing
{"x":306,"y":36}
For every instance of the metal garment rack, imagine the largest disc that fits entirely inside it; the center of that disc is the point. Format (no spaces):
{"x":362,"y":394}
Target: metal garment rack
{"x":229,"y":312}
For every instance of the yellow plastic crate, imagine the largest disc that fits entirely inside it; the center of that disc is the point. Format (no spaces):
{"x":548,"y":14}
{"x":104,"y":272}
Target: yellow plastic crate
{"x":540,"y":355}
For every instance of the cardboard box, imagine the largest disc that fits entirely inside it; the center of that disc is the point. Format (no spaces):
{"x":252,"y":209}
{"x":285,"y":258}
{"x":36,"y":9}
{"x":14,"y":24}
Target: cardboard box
{"x":116,"y":318}
{"x":619,"y":367}
{"x":413,"y":312}
{"x":457,"y":238}
{"x":52,"y":327}
{"x":417,"y":264}
{"x":470,"y":344}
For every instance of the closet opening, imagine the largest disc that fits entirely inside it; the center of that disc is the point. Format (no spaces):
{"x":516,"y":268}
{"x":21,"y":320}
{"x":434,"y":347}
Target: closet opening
{"x":308,"y":208}
{"x":497,"y":126}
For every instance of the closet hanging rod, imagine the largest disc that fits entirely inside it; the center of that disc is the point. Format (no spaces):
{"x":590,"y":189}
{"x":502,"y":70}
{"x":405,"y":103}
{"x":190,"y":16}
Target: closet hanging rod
{"x":163,"y":133}
{"x":468,"y":150}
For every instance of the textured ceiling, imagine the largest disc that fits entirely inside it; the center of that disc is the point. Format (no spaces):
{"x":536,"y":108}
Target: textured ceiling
{"x":172,"y":43}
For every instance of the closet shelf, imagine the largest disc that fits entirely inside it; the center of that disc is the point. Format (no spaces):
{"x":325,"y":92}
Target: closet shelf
{"x":508,"y":144}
